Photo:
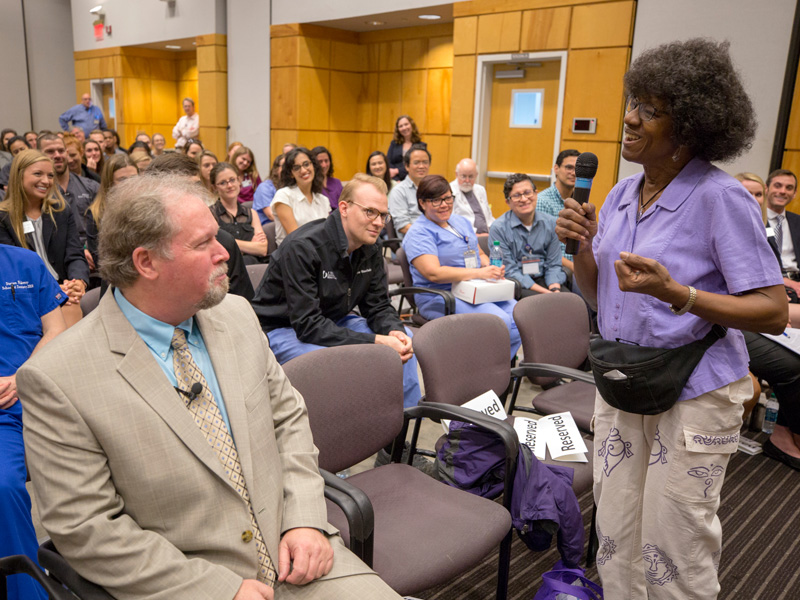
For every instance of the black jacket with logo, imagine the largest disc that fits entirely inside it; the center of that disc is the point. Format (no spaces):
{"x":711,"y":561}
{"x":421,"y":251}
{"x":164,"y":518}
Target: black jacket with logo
{"x":312,"y":283}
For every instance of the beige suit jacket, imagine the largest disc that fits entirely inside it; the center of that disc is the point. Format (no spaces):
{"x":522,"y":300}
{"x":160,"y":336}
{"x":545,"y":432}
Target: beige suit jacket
{"x":128,"y":488}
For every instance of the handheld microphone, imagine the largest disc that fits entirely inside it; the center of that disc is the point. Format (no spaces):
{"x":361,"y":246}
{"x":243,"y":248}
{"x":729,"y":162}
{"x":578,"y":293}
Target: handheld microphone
{"x":585,"y":170}
{"x":194,"y":392}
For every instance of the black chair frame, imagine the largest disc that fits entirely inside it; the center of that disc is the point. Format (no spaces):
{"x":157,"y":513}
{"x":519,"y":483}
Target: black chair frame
{"x":19,"y":564}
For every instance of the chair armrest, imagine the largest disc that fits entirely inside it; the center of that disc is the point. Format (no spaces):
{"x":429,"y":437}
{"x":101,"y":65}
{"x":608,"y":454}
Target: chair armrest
{"x":357,"y":509}
{"x":449,"y":299}
{"x":438,"y":411}
{"x":60,"y":570}
{"x":545,"y":370}
{"x":517,"y":288}
{"x":21,"y":564}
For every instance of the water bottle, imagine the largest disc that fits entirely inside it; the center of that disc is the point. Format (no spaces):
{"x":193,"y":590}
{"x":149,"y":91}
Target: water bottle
{"x":496,"y":255}
{"x":771,"y":415}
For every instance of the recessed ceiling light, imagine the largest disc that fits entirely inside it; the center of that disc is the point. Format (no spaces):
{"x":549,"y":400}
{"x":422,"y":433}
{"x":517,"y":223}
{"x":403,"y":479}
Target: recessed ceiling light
{"x":172,"y":47}
{"x":430,"y":17}
{"x":375,"y":23}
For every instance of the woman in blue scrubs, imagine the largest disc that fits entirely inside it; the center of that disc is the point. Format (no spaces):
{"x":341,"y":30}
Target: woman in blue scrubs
{"x":442,"y":249}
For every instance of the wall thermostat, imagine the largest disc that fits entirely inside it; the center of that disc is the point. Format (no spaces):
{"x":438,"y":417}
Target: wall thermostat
{"x":585,"y":125}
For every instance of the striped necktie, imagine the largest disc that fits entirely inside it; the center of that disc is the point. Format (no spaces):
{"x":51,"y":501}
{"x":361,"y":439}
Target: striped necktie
{"x":779,"y":232}
{"x":208,"y":418}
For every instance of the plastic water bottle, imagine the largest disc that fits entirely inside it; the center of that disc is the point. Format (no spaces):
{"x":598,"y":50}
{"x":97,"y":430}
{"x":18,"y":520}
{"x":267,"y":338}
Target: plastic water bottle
{"x":496,"y":255}
{"x":771,"y":415}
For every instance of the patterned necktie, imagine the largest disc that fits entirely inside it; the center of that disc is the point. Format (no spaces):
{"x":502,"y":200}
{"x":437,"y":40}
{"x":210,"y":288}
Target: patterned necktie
{"x":779,"y":232}
{"x":207,"y":417}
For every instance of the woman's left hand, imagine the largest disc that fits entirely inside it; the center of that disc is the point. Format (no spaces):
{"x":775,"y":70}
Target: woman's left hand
{"x":75,"y":289}
{"x":647,"y":276}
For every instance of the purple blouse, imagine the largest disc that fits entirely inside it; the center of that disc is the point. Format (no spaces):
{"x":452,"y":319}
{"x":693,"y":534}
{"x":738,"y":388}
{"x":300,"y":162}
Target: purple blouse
{"x":707,"y":231}
{"x":332,"y":191}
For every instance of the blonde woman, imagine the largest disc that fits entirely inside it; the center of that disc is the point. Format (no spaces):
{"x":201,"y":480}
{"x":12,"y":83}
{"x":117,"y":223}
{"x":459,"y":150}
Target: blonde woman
{"x":35,"y":216}
{"x":117,"y":168}
{"x":755,"y":185}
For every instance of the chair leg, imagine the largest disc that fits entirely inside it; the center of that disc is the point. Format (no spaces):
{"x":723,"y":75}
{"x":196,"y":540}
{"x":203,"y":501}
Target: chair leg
{"x":517,"y":382}
{"x":504,"y":566}
{"x":594,"y":543}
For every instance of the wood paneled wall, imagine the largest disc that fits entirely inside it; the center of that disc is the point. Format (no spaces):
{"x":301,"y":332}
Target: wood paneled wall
{"x":150,"y":85}
{"x":791,"y":154}
{"x":598,"y":38}
{"x":345,"y":90}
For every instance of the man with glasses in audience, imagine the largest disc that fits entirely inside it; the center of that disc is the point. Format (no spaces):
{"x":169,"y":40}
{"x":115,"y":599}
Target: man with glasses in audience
{"x":470,"y":199}
{"x":551,"y":200}
{"x":531,"y":250}
{"x":85,"y":115}
{"x":403,"y":197}
{"x":325,"y":269}
{"x":170,"y":455}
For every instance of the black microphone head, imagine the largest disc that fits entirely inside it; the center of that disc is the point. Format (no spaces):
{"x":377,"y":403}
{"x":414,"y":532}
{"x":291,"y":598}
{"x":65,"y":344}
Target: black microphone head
{"x":586,"y":165}
{"x":197,"y":388}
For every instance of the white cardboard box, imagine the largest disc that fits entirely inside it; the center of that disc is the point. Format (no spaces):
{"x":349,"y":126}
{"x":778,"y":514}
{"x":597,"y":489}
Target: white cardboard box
{"x":478,"y":291}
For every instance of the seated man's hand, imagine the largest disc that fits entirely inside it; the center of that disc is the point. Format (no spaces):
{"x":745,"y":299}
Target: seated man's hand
{"x":252,"y":589}
{"x":8,"y":391}
{"x":394,"y":343}
{"x":791,"y":283}
{"x":307,"y":552}
{"x":408,"y":351}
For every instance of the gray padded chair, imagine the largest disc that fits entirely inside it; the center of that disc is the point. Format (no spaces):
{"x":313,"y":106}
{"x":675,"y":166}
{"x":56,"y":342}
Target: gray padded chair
{"x":90,"y":301}
{"x":408,"y":290}
{"x":425,"y":532}
{"x":463,"y":356}
{"x":269,"y":231}
{"x":555,"y":332}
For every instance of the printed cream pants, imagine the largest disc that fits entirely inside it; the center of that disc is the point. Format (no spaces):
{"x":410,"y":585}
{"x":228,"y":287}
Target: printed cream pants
{"x":657,"y":481}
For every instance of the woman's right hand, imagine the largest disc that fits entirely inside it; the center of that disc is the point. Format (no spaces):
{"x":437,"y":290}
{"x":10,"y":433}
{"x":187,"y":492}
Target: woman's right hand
{"x":393,"y":173}
{"x":577,"y":222}
{"x":491,"y":272}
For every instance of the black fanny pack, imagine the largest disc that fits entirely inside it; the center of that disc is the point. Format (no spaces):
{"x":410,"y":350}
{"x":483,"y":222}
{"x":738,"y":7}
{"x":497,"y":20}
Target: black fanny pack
{"x":645,"y":380}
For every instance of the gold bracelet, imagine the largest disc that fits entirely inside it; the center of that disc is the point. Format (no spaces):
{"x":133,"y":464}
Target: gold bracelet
{"x":692,"y":299}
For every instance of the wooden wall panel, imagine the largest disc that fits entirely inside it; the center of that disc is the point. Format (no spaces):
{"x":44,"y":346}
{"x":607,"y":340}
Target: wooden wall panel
{"x":415,"y":84}
{"x":81,"y":69}
{"x":280,"y":137}
{"x":415,"y":54}
{"x":164,"y":101}
{"x":608,"y":156}
{"x":793,"y":134}
{"x":344,"y":149}
{"x":345,"y":90}
{"x":134,"y":100}
{"x":390,"y":56}
{"x":348,"y":57}
{"x":390,"y":88}
{"x":213,"y":89}
{"x":791,"y":161}
{"x":460,"y":147}
{"x":439,"y":147}
{"x":545,"y":29}
{"x":494,"y":191}
{"x":373,"y":55}
{"x":212,"y":58}
{"x":368,"y":103}
{"x":313,"y":99}
{"x":283,"y":97}
{"x":215,"y":139}
{"x":465,"y":35}
{"x":499,"y":33}
{"x":313,"y":52}
{"x":463,"y":97}
{"x":601,"y":72}
{"x":310,"y":139}
{"x":437,"y":104}
{"x":187,"y":89}
{"x":602,"y":25}
{"x":284,"y":51}
{"x":440,"y":52}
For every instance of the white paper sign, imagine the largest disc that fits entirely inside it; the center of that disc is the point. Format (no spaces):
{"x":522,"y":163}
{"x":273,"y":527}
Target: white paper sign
{"x":790,"y":339}
{"x":527,"y":432}
{"x":487,"y":403}
{"x":563,"y":438}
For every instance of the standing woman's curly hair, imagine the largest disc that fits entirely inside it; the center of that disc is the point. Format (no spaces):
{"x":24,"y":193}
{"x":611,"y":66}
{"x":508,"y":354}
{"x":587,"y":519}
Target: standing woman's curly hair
{"x":696,"y":81}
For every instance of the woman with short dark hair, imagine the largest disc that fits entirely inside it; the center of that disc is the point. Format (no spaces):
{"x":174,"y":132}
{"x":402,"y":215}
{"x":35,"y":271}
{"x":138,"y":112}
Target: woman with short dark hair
{"x":678,"y":250}
{"x":442,"y":249}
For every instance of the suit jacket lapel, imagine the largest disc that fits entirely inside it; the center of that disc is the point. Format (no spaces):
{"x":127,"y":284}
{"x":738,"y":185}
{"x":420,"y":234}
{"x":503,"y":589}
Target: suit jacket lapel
{"x":139,"y":369}
{"x":222,"y":350}
{"x":794,"y":229}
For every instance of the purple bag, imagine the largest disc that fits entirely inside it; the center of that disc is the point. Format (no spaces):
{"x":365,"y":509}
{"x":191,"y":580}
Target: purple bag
{"x":562,"y":583}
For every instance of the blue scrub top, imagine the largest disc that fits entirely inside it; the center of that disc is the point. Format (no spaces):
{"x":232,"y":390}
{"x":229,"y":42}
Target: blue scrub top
{"x":426,"y":237}
{"x":27,"y":293}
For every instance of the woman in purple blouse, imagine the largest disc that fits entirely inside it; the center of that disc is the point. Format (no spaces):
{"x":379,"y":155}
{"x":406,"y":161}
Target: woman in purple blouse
{"x":331,"y":187}
{"x":675,"y":250}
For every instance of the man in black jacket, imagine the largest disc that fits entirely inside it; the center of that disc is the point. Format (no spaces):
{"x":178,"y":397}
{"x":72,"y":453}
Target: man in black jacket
{"x":325,"y":269}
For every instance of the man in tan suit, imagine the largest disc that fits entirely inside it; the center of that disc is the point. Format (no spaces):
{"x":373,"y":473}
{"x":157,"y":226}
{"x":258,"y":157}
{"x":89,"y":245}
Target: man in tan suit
{"x":169,"y":454}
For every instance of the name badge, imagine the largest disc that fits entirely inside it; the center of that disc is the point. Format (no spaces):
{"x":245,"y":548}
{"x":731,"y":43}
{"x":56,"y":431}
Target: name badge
{"x":770,"y":232}
{"x":470,"y":259}
{"x":531,"y":266}
{"x":247,"y":183}
{"x":27,"y":227}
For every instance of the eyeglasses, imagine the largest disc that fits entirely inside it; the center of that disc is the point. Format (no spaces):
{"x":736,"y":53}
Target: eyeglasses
{"x":373,"y":214}
{"x":305,"y":165}
{"x":647,"y":112}
{"x":567,"y":168}
{"x":420,"y":163}
{"x":519,"y":195}
{"x":437,"y":202}
{"x":228,"y":182}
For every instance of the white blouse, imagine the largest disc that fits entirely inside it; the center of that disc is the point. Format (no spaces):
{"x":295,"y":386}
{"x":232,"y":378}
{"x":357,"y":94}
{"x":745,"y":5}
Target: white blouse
{"x":304,"y":212}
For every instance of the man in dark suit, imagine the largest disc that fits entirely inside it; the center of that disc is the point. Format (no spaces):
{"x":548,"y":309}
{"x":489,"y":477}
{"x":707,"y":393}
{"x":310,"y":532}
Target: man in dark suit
{"x":781,"y":190}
